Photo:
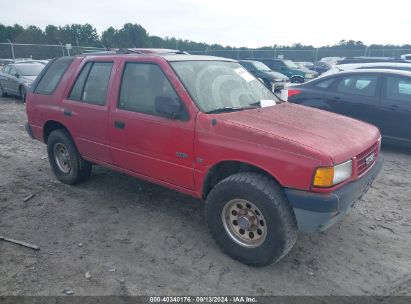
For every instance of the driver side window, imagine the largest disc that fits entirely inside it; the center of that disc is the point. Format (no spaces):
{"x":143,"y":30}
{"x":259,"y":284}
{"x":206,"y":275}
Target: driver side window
{"x":141,"y":85}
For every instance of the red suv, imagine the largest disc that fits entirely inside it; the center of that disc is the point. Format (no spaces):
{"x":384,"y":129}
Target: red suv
{"x":206,"y":127}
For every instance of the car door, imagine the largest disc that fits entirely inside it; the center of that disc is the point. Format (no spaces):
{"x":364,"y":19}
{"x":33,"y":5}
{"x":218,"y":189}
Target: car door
{"x":85,"y":110}
{"x":4,"y":78}
{"x":356,"y":95}
{"x":395,"y":111}
{"x":13,"y":81}
{"x":144,"y":141}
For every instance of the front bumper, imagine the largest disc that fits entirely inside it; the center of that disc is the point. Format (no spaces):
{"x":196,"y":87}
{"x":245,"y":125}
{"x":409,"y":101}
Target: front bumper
{"x":29,"y":130}
{"x":318,"y":211}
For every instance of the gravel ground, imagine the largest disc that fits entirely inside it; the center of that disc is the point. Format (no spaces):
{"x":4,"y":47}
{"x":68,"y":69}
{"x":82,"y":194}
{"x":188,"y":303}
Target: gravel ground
{"x":135,"y":238}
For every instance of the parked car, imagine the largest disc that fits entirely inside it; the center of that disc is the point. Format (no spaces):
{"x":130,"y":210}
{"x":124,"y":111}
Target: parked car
{"x":289,"y":69}
{"x":366,"y":59}
{"x":305,"y":64}
{"x":5,"y":61}
{"x":332,"y":60}
{"x":273,"y":80}
{"x":321,"y":67}
{"x":370,"y":65}
{"x":17,"y":78}
{"x":380,"y":97}
{"x":406,"y":57}
{"x":206,"y":127}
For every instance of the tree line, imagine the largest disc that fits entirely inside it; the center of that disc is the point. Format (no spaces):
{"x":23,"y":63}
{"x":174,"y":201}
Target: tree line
{"x":134,"y":35}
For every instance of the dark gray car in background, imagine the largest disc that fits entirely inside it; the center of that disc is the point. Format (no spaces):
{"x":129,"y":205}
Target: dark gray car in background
{"x":273,"y":80}
{"x":16,"y":78}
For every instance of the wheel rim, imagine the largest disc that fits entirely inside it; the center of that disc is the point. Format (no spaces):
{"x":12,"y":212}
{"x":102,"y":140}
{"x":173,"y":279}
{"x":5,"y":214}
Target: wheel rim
{"x":62,"y":158}
{"x":244,"y":223}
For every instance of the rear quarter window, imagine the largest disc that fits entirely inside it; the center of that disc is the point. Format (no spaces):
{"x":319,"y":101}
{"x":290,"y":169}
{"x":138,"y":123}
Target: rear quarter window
{"x":52,"y":76}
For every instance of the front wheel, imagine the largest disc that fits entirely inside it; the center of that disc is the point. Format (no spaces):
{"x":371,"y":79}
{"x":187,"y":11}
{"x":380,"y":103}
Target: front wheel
{"x":297,"y":79}
{"x":249,"y":217}
{"x":23,"y":93}
{"x":65,"y":160}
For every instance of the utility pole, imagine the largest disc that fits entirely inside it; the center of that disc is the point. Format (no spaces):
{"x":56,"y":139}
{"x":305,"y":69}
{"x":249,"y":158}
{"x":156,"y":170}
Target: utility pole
{"x":62,"y":47}
{"x":12,"y":50}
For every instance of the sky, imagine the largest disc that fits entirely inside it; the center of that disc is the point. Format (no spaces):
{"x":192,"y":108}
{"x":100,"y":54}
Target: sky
{"x":252,"y":23}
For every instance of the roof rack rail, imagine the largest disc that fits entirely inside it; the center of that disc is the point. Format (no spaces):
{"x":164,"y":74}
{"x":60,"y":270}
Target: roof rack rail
{"x":147,"y":51}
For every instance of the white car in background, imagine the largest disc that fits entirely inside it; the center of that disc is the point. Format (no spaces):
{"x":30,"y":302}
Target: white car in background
{"x":370,"y":65}
{"x":406,"y":57}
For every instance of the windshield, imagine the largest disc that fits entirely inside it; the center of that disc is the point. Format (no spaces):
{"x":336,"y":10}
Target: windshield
{"x":30,"y":70}
{"x":261,"y":66}
{"x":290,"y":64}
{"x":217,"y":85}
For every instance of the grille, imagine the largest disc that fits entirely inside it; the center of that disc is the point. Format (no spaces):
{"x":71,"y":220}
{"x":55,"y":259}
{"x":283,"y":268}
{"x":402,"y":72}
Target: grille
{"x":362,"y":165}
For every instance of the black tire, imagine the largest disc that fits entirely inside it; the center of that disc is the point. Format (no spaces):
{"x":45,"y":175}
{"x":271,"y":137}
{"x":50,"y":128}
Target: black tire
{"x":2,"y":93}
{"x":268,"y":197}
{"x":79,"y":169}
{"x":23,"y":93}
{"x":297,"y":79}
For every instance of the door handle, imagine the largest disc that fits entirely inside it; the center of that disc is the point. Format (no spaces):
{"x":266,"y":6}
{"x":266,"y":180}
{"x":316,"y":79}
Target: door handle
{"x":337,"y":98}
{"x":67,"y":112}
{"x":394,"y":107}
{"x":119,"y":124}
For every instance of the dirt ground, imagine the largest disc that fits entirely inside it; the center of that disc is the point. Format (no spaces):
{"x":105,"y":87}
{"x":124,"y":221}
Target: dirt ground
{"x":135,"y":238}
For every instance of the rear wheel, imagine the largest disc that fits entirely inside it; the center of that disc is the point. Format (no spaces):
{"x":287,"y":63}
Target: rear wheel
{"x":65,"y":160}
{"x":2,"y":93}
{"x":250,"y":218}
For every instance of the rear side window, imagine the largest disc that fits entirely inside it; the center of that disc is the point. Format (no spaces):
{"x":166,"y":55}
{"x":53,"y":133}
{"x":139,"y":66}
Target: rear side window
{"x":325,"y":84}
{"x":52,"y":76}
{"x":92,"y":83}
{"x":398,"y":89}
{"x":362,"y":85}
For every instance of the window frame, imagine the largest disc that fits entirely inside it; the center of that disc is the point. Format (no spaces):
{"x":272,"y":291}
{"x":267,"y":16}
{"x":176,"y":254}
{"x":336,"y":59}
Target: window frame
{"x":85,"y":82}
{"x":341,"y":78}
{"x":186,"y":116}
{"x":385,"y":87}
{"x":44,"y":72}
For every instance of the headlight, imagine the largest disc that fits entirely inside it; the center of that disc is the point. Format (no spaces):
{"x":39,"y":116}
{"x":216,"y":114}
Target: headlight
{"x":279,"y":80}
{"x":28,"y":84}
{"x":330,"y":176}
{"x":309,"y":75}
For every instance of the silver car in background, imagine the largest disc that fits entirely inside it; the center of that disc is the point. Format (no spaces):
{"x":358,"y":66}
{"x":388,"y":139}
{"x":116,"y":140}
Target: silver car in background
{"x":17,"y":78}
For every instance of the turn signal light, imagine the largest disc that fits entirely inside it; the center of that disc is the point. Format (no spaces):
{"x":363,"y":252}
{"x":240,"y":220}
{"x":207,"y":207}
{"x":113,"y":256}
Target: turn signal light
{"x":324,"y":177}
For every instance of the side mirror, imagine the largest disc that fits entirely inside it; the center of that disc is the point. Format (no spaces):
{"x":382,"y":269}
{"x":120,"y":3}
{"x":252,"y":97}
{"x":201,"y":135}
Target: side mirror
{"x":17,"y":75}
{"x":170,"y":107}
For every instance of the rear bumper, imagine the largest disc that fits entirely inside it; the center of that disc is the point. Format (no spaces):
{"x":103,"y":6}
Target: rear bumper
{"x":318,"y":212}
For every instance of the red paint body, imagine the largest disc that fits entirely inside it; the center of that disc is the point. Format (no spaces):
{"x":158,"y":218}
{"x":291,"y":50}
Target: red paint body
{"x":287,"y":141}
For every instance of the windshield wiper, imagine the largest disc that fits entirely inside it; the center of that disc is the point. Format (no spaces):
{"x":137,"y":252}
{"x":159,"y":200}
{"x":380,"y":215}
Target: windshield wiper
{"x":230,"y":109}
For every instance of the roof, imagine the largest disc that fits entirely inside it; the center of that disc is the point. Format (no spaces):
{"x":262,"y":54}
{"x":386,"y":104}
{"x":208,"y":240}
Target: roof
{"x":373,"y":64}
{"x":374,"y":71}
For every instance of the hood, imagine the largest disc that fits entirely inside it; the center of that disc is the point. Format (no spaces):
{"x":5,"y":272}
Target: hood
{"x":274,"y":75}
{"x":340,"y":137}
{"x":28,"y":78}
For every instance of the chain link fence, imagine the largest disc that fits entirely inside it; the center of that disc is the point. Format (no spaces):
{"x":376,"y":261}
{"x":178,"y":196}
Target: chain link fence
{"x":41,"y":51}
{"x":304,"y":55}
{"x":37,"y":51}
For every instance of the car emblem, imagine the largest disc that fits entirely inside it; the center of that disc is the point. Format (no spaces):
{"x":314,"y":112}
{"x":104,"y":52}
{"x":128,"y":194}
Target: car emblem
{"x":370,"y":159}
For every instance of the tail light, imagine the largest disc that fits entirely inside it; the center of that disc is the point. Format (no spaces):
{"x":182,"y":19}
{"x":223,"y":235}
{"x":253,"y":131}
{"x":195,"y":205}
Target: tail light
{"x":292,"y":92}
